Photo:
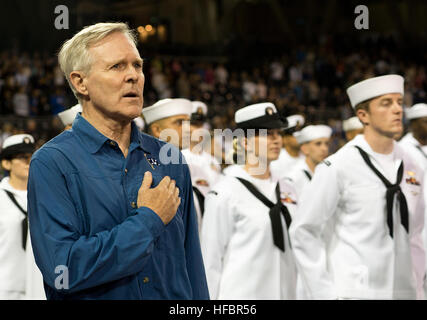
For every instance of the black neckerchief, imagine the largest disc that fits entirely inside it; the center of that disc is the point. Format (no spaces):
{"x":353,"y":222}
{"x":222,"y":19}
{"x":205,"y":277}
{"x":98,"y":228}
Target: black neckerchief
{"x":275,"y":210}
{"x":392,"y":189}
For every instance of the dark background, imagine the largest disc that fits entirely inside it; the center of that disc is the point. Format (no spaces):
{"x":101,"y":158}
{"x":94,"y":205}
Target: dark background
{"x":239,"y":28}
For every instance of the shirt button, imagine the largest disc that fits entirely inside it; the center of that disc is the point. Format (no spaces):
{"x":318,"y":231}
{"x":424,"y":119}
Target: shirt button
{"x":112,"y":143}
{"x":146,"y":280}
{"x":133,"y":204}
{"x":126,"y":170}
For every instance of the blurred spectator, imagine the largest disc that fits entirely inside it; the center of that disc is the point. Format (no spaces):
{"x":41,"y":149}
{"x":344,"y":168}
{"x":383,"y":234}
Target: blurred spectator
{"x":307,"y":79}
{"x":57,"y":100}
{"x":21,"y":102}
{"x":221,"y":74}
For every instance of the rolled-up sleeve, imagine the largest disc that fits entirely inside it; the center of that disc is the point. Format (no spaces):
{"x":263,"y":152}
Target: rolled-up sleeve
{"x":58,"y":240}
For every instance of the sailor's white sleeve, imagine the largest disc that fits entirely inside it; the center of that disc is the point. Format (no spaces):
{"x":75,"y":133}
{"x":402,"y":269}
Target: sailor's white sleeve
{"x":216,"y":232}
{"x":316,"y":205}
{"x":417,"y":243}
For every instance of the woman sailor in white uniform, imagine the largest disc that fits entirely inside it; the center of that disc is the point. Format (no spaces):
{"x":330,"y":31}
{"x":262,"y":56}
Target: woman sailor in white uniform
{"x":20,"y":278}
{"x":245,"y":242}
{"x":371,"y":192}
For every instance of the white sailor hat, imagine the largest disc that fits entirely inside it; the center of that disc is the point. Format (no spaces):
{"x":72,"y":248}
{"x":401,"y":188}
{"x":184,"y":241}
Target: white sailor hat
{"x":260,"y":116}
{"x":200,"y":111}
{"x":16,"y":144}
{"x":418,"y":110}
{"x":375,"y":87}
{"x":166,"y":108}
{"x":295,"y":120}
{"x":67,"y":117}
{"x":200,"y":107}
{"x":352,"y":123}
{"x":312,"y":132}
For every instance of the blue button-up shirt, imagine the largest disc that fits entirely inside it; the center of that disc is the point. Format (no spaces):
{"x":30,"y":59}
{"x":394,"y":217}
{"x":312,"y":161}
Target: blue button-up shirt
{"x":90,"y":240}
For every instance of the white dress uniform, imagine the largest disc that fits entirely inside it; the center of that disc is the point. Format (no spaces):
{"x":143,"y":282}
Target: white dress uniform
{"x":241,"y":260}
{"x":245,"y":241}
{"x":361,"y":260}
{"x":34,"y":288}
{"x":20,"y":278}
{"x":300,"y":176}
{"x":205,"y":172}
{"x":285,"y":163}
{"x":12,"y":253}
{"x":418,"y":153}
{"x":233,"y":170}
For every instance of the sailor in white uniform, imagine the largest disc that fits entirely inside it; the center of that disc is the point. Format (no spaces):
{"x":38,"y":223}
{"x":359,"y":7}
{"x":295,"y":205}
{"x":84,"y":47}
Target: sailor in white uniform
{"x":314,"y":142}
{"x":352,"y":127}
{"x":167,"y":120}
{"x":204,"y":168}
{"x":245,"y":242}
{"x":290,"y":154}
{"x":371,"y":192}
{"x":415,"y":144}
{"x":20,"y":278}
{"x":415,"y":141}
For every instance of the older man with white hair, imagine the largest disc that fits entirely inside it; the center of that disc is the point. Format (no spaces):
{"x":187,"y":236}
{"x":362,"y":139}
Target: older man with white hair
{"x":369,"y":194}
{"x":104,"y":212}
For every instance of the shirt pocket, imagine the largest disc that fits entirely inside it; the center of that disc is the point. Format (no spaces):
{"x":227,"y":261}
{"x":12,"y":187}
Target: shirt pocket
{"x":99,"y":199}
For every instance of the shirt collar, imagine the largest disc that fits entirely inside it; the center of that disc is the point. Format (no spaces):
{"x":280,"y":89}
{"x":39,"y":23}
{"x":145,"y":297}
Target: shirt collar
{"x":94,"y":140}
{"x":360,"y":141}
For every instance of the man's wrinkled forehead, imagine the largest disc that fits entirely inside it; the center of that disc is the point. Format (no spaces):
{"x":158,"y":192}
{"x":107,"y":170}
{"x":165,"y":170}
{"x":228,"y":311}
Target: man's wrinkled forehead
{"x":113,"y":47}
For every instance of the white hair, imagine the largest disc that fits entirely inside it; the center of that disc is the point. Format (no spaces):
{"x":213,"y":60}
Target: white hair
{"x":74,"y":54}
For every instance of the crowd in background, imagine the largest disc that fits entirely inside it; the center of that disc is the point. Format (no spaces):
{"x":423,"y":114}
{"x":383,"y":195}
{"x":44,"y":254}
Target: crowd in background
{"x":307,"y":80}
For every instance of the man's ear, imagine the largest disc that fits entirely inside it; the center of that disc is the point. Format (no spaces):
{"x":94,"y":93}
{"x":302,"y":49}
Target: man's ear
{"x":77,"y":79}
{"x":6,"y":164}
{"x":363,"y":116}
